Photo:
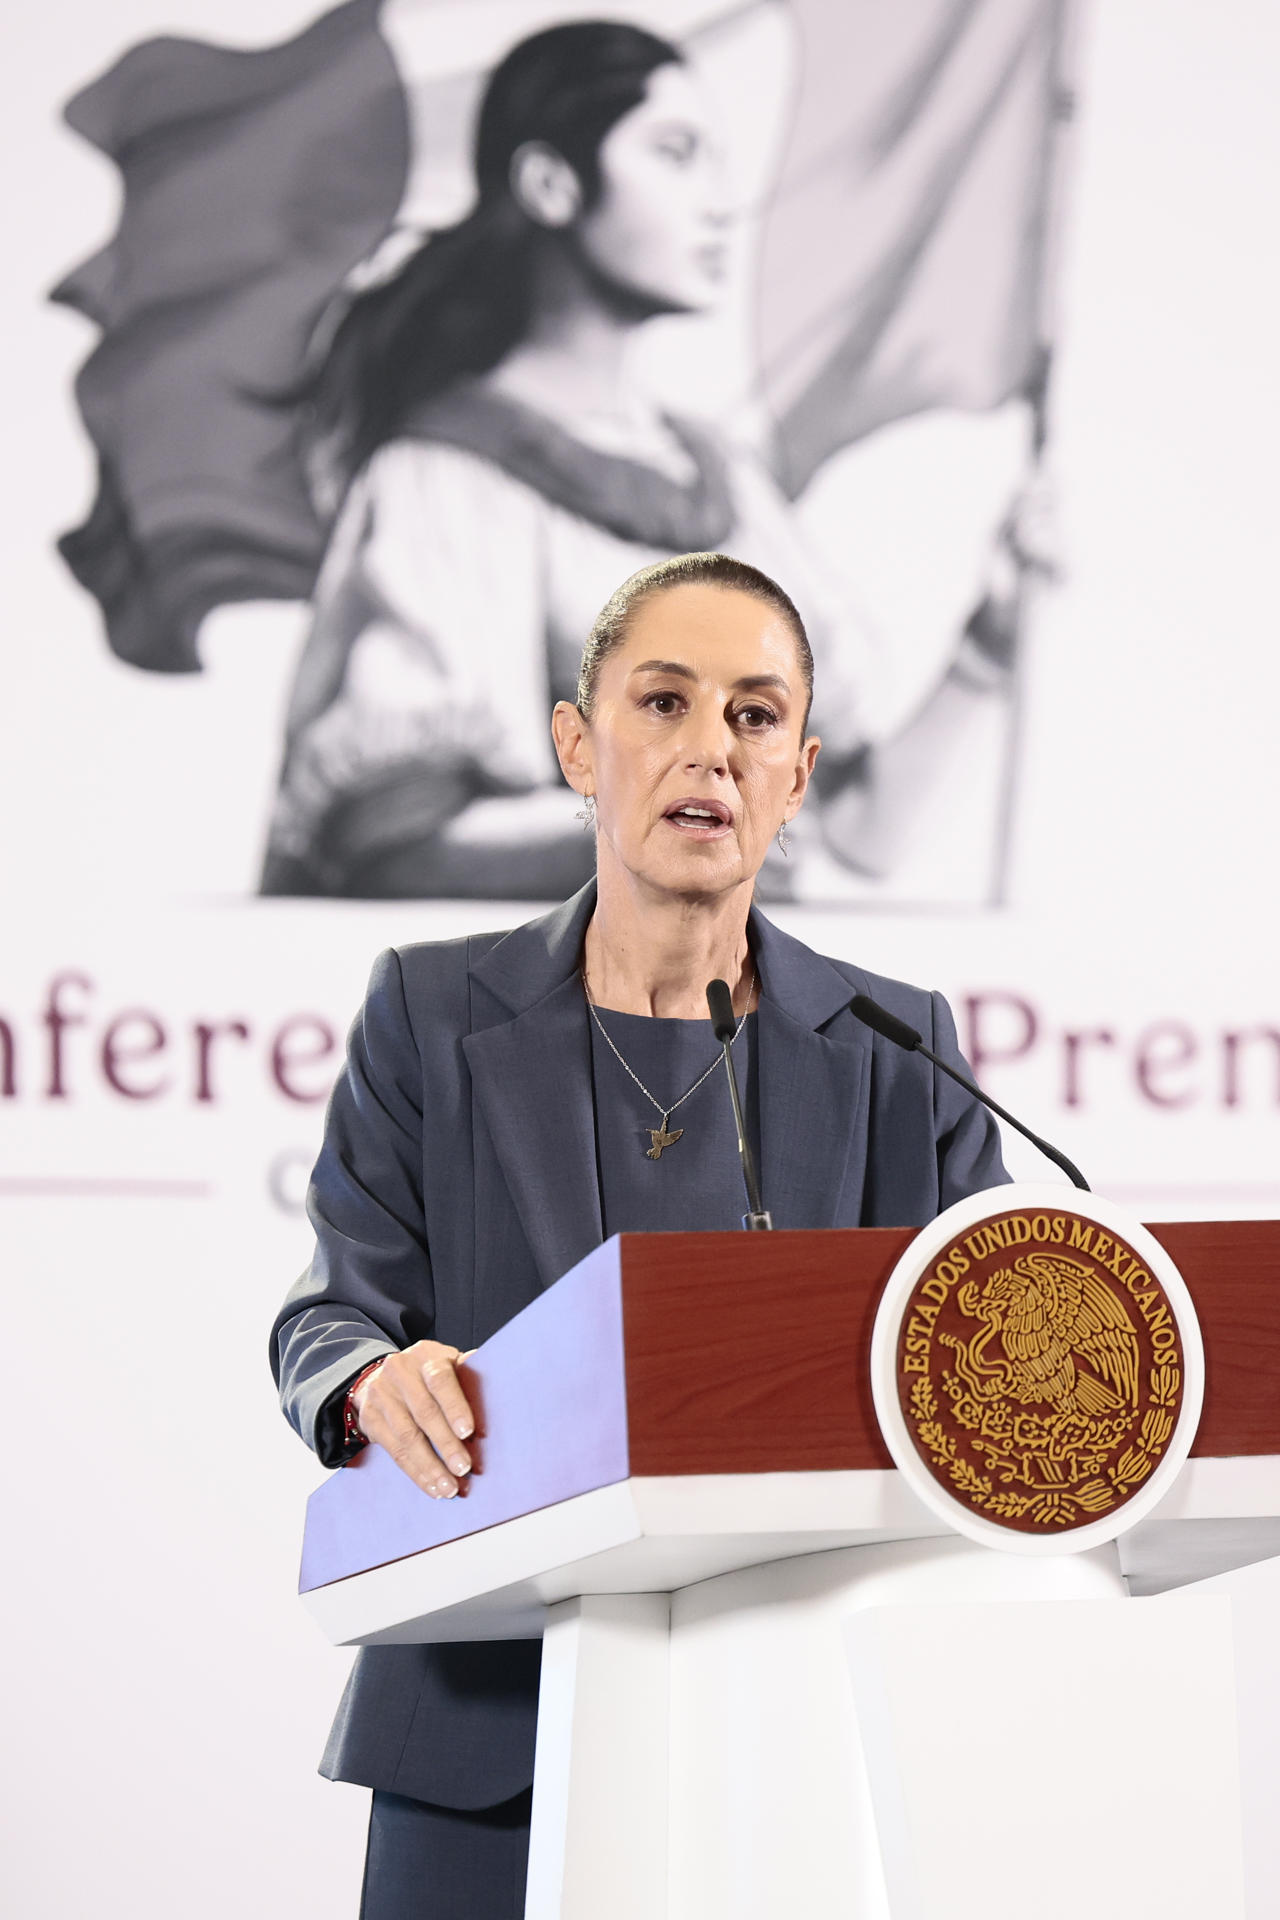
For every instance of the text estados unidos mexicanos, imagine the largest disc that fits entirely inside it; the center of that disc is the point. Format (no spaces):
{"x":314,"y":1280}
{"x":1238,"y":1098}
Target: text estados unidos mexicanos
{"x":1062,"y":1230}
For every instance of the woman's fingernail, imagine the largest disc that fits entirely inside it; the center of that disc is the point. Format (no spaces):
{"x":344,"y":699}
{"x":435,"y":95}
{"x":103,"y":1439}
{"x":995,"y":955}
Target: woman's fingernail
{"x":463,"y":1429}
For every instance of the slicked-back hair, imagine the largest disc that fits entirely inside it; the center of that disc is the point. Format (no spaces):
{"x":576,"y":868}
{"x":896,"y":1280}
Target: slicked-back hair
{"x":613,"y":621}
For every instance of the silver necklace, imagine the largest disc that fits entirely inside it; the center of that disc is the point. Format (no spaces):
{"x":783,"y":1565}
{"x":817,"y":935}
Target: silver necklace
{"x":661,"y":1136}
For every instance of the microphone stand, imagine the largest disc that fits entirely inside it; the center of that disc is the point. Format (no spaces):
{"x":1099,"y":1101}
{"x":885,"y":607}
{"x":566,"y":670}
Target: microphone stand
{"x":720,"y":1006}
{"x":888,"y":1025}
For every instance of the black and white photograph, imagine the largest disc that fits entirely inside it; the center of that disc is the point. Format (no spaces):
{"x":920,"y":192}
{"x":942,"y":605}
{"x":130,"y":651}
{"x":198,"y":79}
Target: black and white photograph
{"x":531,"y":315}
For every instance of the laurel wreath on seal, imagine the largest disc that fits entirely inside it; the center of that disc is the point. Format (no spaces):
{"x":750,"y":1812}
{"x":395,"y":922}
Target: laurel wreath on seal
{"x":1051,"y":1508}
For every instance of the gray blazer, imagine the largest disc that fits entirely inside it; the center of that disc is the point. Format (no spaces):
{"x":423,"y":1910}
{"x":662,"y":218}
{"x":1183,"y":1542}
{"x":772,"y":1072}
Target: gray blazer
{"x":458,"y":1179}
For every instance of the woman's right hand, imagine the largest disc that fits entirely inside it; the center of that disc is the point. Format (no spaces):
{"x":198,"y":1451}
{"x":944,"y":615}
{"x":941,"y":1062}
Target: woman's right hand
{"x":413,"y":1406}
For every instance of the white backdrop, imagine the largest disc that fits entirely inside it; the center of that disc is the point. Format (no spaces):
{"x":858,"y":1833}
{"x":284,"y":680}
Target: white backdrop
{"x":167,"y":1698}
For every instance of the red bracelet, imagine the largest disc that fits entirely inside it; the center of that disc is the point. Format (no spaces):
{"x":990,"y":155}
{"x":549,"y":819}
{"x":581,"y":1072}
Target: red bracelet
{"x":351,"y":1435}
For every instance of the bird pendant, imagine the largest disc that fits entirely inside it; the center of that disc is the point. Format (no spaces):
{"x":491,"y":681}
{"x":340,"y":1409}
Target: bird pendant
{"x":661,"y":1138}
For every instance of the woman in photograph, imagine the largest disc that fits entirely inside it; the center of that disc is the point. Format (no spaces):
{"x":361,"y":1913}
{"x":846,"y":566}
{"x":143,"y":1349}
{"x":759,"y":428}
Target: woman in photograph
{"x":497,"y":465}
{"x":444,"y":1201}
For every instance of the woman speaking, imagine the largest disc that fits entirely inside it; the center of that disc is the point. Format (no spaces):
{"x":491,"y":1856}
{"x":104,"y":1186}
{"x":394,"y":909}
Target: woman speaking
{"x":512,"y":1099}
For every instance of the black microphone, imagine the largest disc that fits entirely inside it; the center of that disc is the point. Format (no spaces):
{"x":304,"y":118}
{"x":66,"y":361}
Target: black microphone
{"x":881,"y":1021}
{"x":720,"y":1007}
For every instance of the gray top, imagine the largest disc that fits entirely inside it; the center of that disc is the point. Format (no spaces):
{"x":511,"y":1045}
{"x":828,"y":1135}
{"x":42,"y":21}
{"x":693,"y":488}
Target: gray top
{"x":695,"y":1184}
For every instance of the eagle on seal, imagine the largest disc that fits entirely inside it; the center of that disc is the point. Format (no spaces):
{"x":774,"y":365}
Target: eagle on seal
{"x":1066,"y":1339}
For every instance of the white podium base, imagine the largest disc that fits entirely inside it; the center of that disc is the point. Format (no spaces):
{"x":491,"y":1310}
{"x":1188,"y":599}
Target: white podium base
{"x":874,"y":1733}
{"x":600,"y":1788}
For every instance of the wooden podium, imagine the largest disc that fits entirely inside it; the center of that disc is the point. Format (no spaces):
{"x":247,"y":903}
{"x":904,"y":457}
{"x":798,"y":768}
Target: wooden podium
{"x":773,"y":1681}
